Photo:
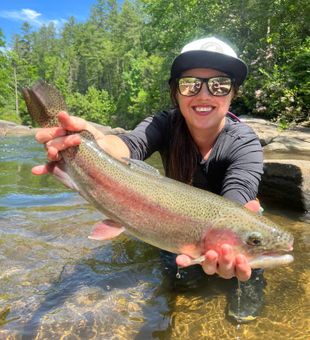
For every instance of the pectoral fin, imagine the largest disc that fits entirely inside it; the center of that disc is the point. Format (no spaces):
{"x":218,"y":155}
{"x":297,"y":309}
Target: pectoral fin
{"x":106,"y":230}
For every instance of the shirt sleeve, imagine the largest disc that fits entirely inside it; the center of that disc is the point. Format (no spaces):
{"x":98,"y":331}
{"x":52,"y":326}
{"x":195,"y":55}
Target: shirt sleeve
{"x":243,"y":174}
{"x":148,"y":136}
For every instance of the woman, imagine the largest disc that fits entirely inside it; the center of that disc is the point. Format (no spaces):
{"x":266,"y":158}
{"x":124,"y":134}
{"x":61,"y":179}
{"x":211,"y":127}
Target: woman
{"x":200,"y":142}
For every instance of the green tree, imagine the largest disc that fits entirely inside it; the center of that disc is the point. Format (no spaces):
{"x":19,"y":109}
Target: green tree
{"x":95,"y":105}
{"x":123,"y":52}
{"x":7,"y":85}
{"x":144,"y":90}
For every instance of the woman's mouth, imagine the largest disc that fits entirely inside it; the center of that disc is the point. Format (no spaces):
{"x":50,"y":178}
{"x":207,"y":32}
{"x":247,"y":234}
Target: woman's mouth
{"x":203,"y":110}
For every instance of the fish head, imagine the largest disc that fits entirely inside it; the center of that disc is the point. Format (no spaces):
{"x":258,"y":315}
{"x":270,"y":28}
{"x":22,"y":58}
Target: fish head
{"x":43,"y":102}
{"x":262,"y":242}
{"x":263,"y":237}
{"x":265,"y":244}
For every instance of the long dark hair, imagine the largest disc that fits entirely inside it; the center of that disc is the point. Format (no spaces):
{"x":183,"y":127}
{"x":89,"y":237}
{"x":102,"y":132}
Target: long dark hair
{"x":183,"y":152}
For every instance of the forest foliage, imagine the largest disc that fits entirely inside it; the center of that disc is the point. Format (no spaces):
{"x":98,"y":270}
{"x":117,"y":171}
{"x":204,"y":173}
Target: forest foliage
{"x":113,"y":68}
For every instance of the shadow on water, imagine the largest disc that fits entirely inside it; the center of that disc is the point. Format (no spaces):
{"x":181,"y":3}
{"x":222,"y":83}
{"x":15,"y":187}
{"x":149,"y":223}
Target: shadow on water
{"x":105,"y":271}
{"x":111,"y":274}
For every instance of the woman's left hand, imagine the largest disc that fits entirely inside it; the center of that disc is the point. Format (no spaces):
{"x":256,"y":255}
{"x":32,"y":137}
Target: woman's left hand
{"x":224,"y":263}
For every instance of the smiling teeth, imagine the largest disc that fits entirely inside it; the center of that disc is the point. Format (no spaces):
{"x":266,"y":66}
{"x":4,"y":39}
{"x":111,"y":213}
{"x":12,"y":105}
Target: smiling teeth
{"x":204,"y":109}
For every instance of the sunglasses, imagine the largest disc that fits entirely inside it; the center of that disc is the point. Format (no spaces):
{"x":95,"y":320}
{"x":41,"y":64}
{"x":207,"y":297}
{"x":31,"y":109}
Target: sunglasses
{"x":217,"y":86}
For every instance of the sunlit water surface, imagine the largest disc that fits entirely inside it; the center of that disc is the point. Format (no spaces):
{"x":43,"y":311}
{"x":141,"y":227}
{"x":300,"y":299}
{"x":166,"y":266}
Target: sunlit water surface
{"x":56,"y":283}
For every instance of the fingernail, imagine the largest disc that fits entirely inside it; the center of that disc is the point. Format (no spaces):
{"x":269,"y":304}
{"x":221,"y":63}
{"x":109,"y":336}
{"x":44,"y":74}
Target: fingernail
{"x":226,"y":250}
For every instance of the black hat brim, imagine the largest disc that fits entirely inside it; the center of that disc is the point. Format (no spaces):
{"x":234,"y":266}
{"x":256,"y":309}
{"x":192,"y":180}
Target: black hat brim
{"x":233,"y":67}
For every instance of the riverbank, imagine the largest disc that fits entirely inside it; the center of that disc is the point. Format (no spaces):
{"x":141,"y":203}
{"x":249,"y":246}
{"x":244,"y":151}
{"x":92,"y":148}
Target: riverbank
{"x":294,"y":141}
{"x":12,"y":129}
{"x":286,"y":179}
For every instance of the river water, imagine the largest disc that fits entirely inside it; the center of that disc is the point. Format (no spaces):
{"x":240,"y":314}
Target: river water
{"x":56,"y":283}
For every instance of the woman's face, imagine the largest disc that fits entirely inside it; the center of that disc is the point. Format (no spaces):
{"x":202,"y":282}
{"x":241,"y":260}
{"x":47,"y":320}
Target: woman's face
{"x":204,"y":111}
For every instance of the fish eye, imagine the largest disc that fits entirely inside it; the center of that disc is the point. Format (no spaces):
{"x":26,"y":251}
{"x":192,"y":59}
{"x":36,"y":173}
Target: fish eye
{"x":254,"y":239}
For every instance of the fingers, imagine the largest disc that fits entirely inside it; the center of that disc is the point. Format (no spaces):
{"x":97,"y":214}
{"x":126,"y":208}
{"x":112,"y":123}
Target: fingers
{"x":56,"y":139}
{"x":40,"y":170}
{"x":46,"y":134}
{"x":71,"y":123}
{"x":210,"y":264}
{"x":183,"y":260}
{"x":243,"y":269}
{"x":253,"y":206}
{"x":68,"y":123}
{"x":226,"y":263}
{"x":59,"y":144}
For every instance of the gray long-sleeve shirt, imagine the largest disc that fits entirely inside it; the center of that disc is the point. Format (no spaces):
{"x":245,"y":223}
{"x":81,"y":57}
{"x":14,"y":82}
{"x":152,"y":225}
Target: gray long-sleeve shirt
{"x":233,"y":169}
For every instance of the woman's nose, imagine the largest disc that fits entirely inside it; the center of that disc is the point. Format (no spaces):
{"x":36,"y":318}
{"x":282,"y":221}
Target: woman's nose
{"x":204,"y":91}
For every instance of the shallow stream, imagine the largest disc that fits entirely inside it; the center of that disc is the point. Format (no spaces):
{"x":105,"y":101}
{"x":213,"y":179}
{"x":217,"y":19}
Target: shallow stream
{"x":56,"y":283}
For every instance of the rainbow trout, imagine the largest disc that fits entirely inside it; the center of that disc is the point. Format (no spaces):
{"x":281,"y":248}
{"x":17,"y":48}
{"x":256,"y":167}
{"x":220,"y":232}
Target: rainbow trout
{"x":158,"y":210}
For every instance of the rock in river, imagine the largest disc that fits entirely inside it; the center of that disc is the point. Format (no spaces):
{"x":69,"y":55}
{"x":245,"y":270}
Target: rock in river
{"x":287,"y":182}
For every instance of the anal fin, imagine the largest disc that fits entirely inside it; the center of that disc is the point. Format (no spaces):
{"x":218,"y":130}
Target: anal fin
{"x":106,"y":230}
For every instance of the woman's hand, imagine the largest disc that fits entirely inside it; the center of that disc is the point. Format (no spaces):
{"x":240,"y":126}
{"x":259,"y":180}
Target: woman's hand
{"x":224,"y":263}
{"x":56,"y":138}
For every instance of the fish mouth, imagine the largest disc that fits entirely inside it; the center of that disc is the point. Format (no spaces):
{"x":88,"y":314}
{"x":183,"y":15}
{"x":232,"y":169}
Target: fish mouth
{"x":265,"y":259}
{"x":271,"y":260}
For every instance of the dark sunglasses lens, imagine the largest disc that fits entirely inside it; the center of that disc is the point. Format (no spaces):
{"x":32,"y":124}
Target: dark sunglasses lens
{"x":219,"y":86}
{"x":189,"y":86}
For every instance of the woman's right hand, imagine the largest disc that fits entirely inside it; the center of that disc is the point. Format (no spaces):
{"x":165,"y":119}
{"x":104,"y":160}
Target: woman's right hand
{"x":56,"y":138}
